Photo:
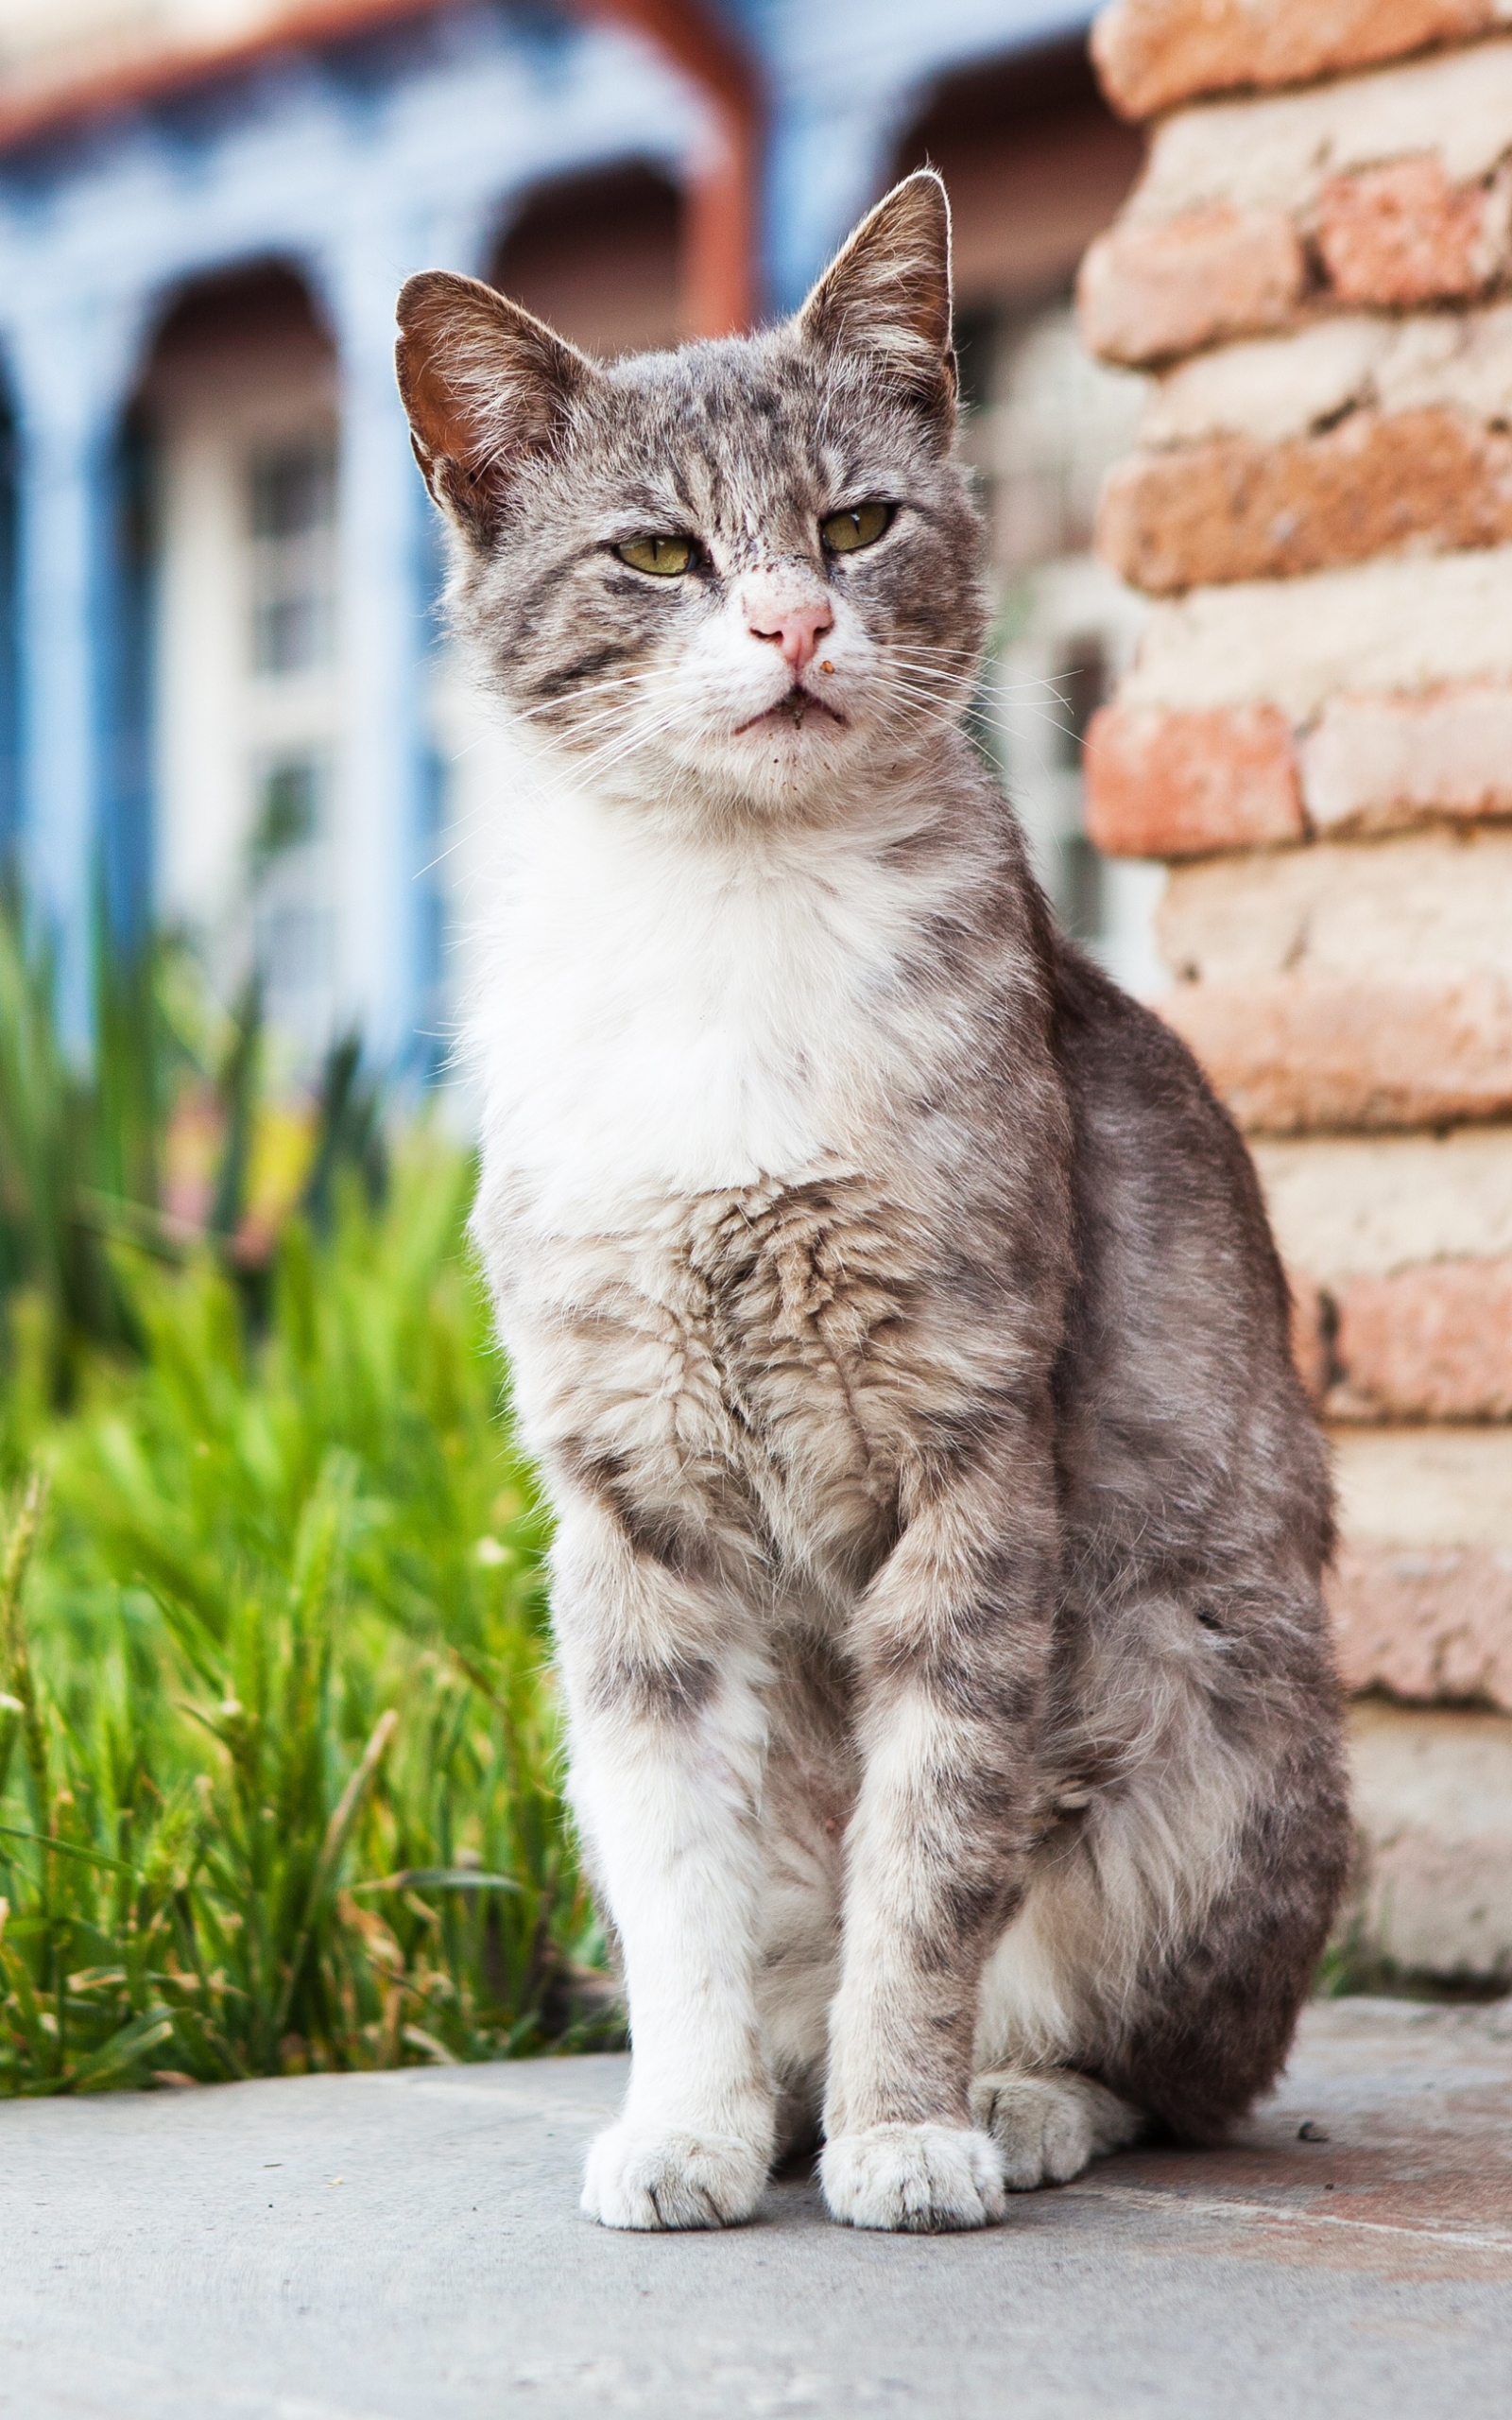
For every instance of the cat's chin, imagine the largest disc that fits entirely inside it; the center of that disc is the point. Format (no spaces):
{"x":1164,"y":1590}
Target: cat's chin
{"x":774,"y":769}
{"x":790,"y":719}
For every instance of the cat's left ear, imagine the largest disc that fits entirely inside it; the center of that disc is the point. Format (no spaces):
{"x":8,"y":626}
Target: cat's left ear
{"x":485,"y":385}
{"x":887,"y":297}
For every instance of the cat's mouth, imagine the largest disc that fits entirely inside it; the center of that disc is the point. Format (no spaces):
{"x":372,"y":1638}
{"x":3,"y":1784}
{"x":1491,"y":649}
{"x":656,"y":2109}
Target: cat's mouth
{"x":790,"y":713}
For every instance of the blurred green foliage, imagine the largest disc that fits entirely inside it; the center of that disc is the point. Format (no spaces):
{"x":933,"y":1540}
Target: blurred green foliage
{"x":278,"y":1768}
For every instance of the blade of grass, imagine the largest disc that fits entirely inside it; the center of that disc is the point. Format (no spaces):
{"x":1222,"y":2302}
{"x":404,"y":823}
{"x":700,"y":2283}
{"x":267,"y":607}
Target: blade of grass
{"x":439,"y":1878}
{"x":338,"y":1832}
{"x":68,"y":1848}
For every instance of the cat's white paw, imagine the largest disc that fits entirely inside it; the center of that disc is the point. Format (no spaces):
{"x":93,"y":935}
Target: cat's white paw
{"x":650,"y":2177}
{"x":1049,"y":2128}
{"x":921,"y":2180}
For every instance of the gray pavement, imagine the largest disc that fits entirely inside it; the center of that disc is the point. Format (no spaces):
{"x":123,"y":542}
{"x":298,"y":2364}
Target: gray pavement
{"x":408,"y":2247}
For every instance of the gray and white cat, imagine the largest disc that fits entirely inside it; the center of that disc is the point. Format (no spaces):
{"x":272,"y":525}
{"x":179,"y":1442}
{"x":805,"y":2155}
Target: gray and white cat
{"x":891,"y":1307}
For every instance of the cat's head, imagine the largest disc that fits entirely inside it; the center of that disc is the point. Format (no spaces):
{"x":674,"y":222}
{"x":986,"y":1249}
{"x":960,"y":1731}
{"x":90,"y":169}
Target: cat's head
{"x":745,"y":570}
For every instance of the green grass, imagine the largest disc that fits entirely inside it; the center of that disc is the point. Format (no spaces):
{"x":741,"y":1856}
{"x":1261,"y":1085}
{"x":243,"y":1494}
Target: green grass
{"x":279,"y":1777}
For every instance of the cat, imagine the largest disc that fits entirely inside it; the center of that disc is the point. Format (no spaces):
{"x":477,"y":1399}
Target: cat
{"x":939,"y":1521}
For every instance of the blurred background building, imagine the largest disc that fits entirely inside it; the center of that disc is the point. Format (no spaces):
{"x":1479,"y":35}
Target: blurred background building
{"x":224,"y":699}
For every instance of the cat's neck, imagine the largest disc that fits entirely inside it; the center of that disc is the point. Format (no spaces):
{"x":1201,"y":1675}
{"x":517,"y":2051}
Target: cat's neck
{"x":693,"y":821}
{"x":674,"y":1011}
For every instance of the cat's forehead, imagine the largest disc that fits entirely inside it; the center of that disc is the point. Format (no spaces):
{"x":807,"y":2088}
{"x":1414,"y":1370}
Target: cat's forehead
{"x":745,"y":432}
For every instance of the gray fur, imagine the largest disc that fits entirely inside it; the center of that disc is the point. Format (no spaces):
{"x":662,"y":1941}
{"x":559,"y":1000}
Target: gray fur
{"x":940,"y":1521}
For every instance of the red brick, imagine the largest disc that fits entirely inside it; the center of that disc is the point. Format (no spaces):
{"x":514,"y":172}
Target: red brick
{"x":1296,"y":1053}
{"x":1433,"y":1342}
{"x":1431,"y":1626}
{"x":1233,"y":509}
{"x":1373,"y":764}
{"x":1152,"y":53}
{"x":1403,"y":233}
{"x":1147,"y":292}
{"x":1166,"y":784}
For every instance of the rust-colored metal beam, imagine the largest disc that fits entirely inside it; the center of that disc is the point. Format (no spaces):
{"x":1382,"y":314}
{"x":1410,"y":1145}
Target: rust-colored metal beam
{"x":721,"y":272}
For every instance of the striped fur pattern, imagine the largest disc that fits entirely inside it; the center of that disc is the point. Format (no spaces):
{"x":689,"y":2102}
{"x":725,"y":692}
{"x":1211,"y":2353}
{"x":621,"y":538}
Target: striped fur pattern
{"x":890,"y":1305}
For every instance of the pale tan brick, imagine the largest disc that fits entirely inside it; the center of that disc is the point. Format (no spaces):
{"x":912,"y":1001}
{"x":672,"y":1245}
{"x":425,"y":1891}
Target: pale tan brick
{"x":1147,"y":292}
{"x":1345,"y":1206}
{"x":1409,"y":908}
{"x":1391,"y":624}
{"x":1433,"y":1809}
{"x":1274,"y":388}
{"x":1424,"y":1624}
{"x":1278,"y":152}
{"x":1427,"y":1487}
{"x":1462,"y":358}
{"x":1151,"y":54}
{"x":1292,"y":1054}
{"x":1403,"y":233}
{"x":1235,"y":510}
{"x":1370,"y":764}
{"x":1271,"y":388}
{"x":1164,"y":785}
{"x":1428,"y":1344}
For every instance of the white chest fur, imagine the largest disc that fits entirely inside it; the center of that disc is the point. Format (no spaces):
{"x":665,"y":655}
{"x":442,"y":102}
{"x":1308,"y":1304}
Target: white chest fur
{"x":663,"y":1018}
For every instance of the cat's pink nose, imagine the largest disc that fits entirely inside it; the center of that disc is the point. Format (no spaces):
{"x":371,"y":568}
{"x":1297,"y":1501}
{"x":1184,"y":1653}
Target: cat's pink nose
{"x":793,"y":620}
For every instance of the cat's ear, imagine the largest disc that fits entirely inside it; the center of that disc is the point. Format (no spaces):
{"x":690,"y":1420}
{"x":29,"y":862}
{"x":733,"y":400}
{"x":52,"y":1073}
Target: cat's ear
{"x":486,"y":385}
{"x":888,"y":296}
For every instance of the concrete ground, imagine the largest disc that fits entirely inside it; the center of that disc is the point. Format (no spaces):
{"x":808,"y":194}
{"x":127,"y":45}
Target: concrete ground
{"x":408,"y":2247}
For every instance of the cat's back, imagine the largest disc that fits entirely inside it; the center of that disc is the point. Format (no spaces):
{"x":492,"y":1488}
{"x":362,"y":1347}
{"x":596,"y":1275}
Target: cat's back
{"x":1184,"y":1425}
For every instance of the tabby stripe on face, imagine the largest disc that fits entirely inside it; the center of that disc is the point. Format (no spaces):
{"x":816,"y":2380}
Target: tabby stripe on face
{"x":569,"y":676}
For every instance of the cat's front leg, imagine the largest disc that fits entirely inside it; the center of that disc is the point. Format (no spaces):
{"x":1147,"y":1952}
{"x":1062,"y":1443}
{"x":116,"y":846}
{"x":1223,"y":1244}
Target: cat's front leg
{"x":951,"y":1648}
{"x":668,"y":1733}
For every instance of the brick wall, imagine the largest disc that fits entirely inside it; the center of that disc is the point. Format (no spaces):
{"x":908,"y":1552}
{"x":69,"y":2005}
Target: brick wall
{"x":1317,"y":267}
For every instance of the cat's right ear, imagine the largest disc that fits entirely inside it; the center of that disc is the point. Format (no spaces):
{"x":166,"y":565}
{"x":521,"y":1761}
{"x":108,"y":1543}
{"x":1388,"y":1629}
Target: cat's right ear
{"x":887,"y":296}
{"x":485,"y":385}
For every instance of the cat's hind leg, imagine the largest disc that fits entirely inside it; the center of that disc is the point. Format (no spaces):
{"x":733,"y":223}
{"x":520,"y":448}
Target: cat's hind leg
{"x":1050,"y":2126}
{"x":1169,"y":1934}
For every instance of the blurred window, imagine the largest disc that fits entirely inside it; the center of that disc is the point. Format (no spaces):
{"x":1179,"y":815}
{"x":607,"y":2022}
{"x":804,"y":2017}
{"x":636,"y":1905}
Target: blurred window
{"x":292,"y":495}
{"x":289,"y":809}
{"x":239,"y":401}
{"x":294,"y":956}
{"x":293,"y":928}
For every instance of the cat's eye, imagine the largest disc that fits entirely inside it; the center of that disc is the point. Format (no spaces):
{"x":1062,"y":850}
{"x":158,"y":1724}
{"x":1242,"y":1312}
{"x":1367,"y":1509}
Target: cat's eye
{"x":665,"y":558}
{"x":859,"y":524}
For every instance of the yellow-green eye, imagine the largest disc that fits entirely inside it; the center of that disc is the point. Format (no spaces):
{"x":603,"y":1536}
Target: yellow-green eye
{"x":667,"y":558}
{"x":860,"y":524}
